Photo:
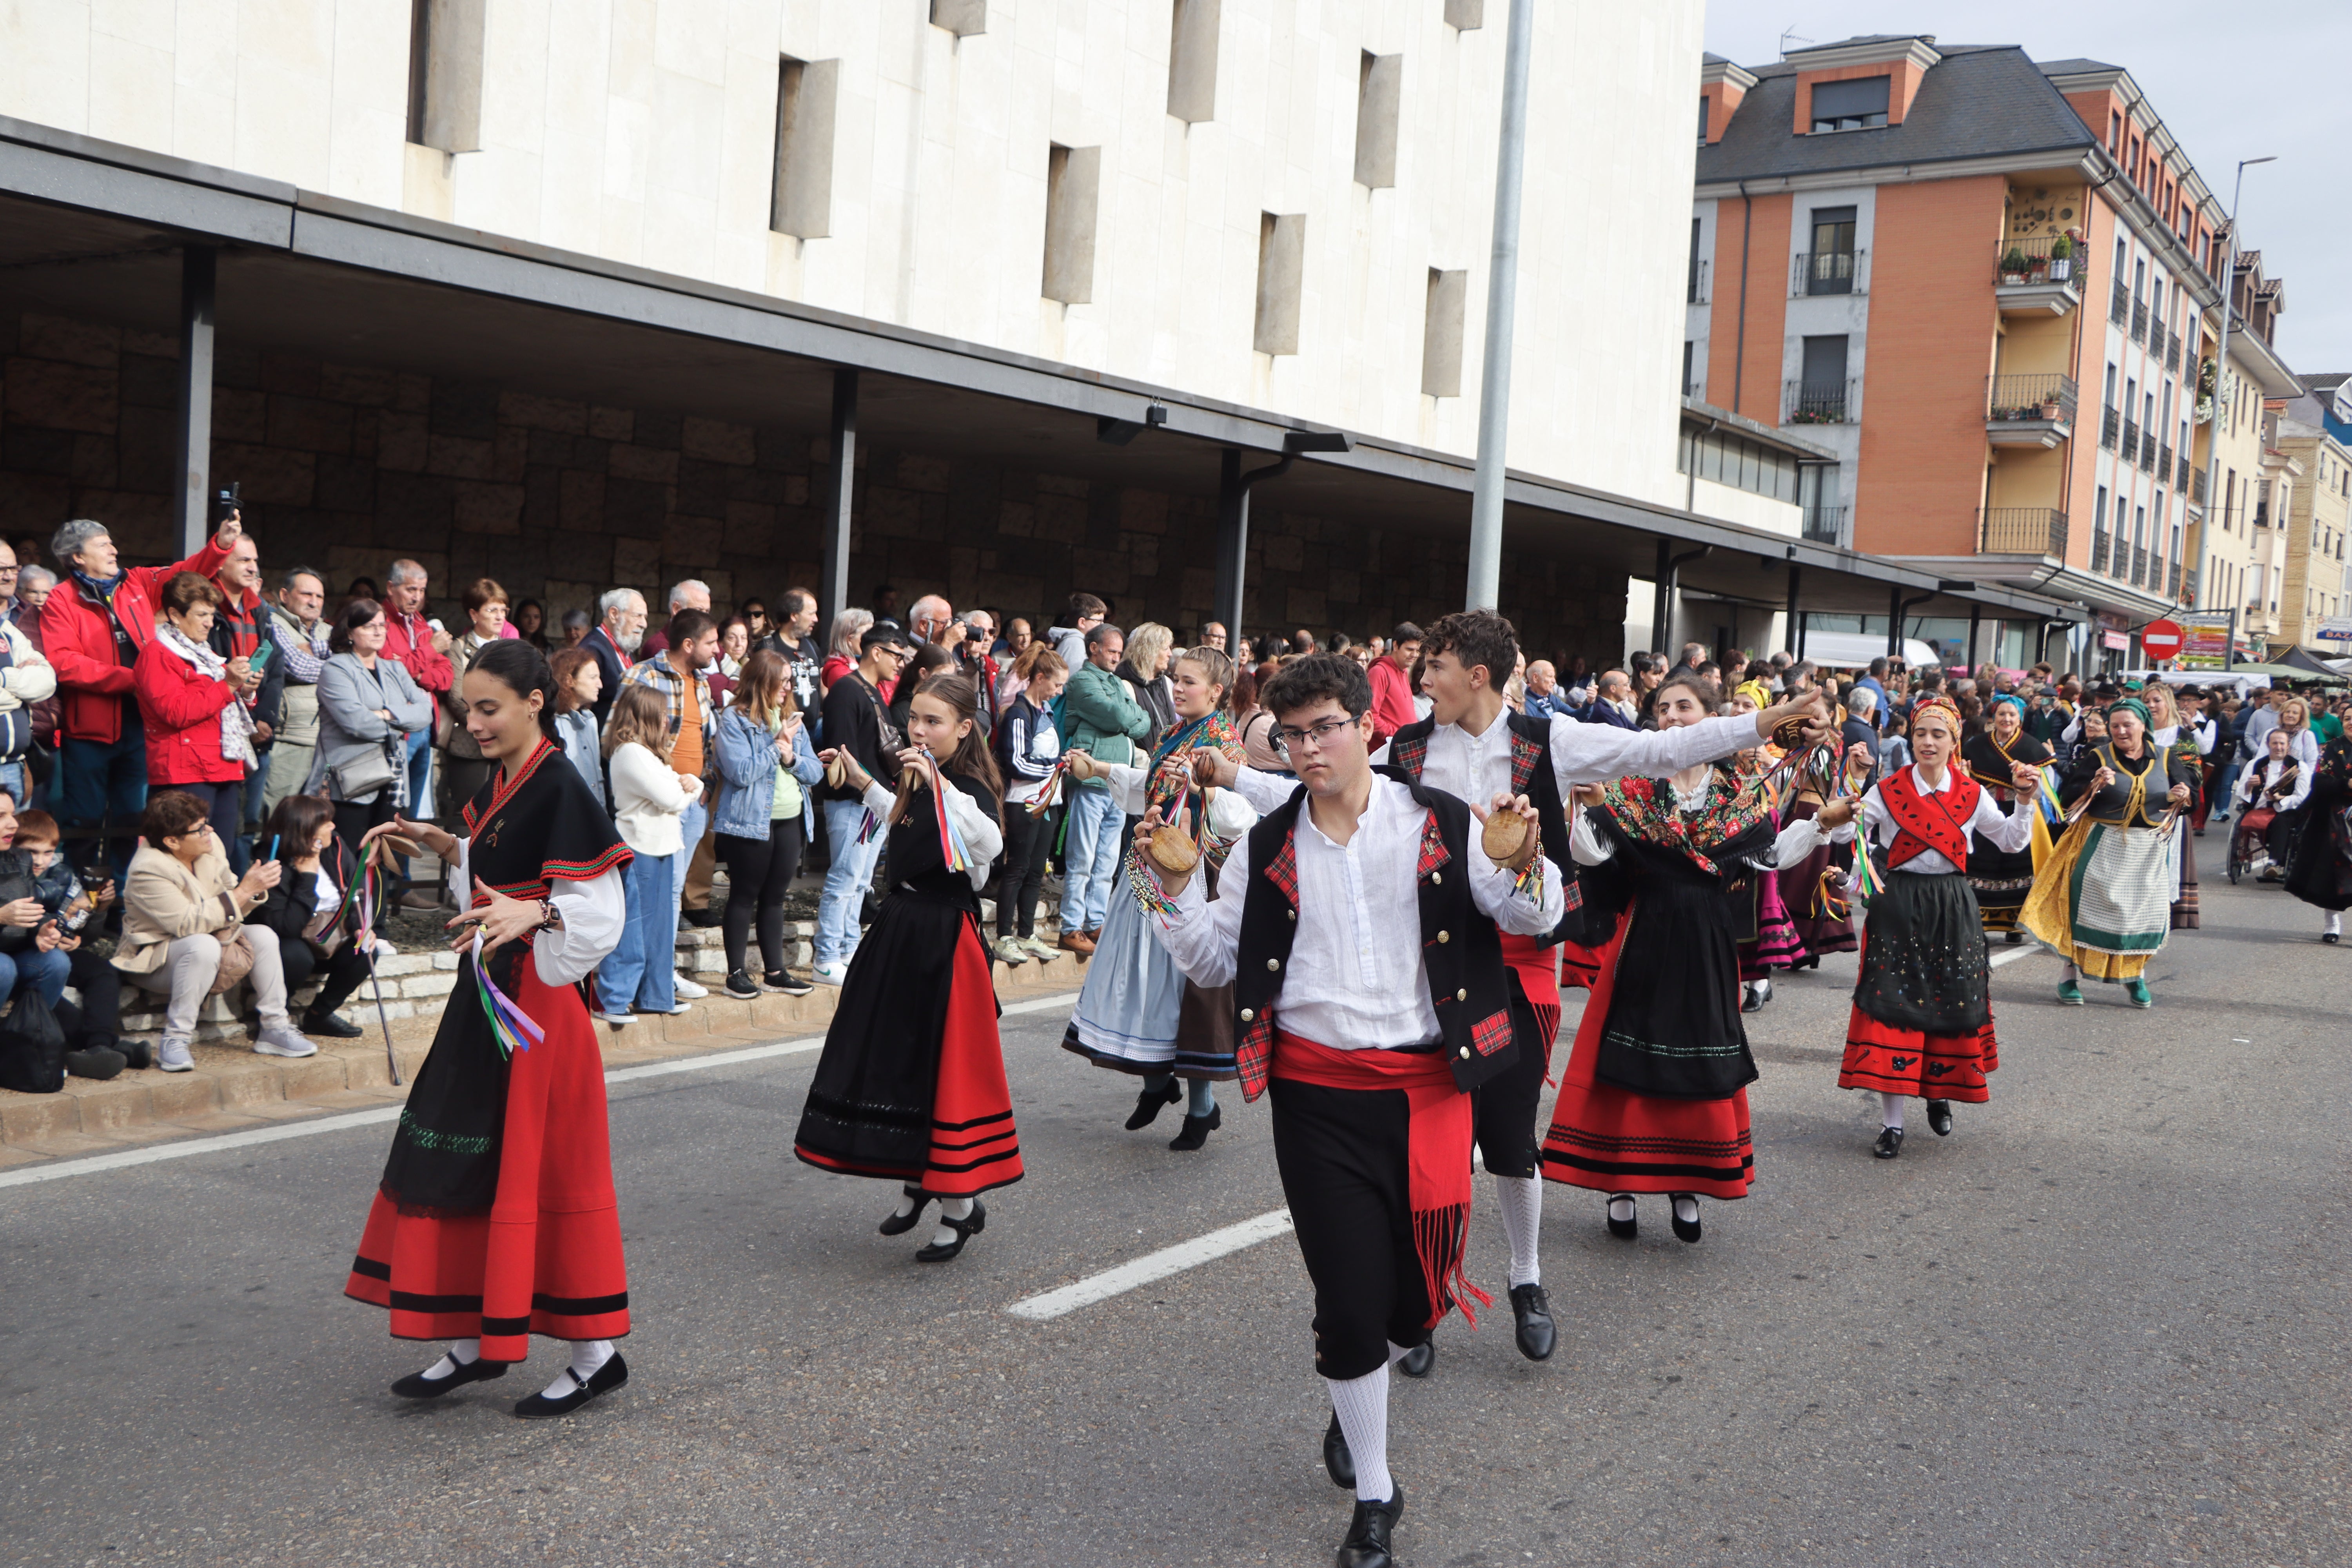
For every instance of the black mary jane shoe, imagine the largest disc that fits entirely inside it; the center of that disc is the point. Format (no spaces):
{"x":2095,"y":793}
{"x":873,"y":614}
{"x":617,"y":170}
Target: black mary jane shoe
{"x":1940,"y":1117}
{"x":2330,"y":938}
{"x":1532,"y":1311}
{"x":1338,"y":1463}
{"x":1890,"y":1143}
{"x":1197,"y":1130}
{"x":1369,"y":1532}
{"x":416,"y":1385}
{"x":1416,"y":1362}
{"x":1148,"y":1104}
{"x":603,"y":1380}
{"x":900,"y":1223}
{"x":2014,"y":939}
{"x":965,"y":1229}
{"x":1757,"y":993}
{"x":332,"y":1025}
{"x":1628,"y":1228}
{"x":1684,"y":1229}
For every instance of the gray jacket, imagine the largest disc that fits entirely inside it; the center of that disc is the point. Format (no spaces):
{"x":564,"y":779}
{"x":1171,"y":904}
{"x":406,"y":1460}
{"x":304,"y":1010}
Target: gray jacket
{"x":349,"y":696}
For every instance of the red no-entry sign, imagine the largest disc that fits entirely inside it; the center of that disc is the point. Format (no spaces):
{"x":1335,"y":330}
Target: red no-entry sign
{"x":2161,"y":639}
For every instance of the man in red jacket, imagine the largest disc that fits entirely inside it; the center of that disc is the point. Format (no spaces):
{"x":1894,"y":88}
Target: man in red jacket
{"x":96,"y":621}
{"x":1391,"y":675}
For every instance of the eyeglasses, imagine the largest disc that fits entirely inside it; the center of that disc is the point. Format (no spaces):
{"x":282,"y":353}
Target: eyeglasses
{"x":1314,"y":735}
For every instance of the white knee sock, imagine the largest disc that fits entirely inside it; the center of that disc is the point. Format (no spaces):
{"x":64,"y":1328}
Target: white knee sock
{"x":1892,"y":1111}
{"x":1362,"y":1406}
{"x":907,"y":1206}
{"x":1521,"y":1201}
{"x":2071,"y":976}
{"x":462,"y":1353}
{"x":587,"y":1355}
{"x":2334,"y":926}
{"x":950,"y":1208}
{"x":1684,"y":1201}
{"x":1620,"y":1206}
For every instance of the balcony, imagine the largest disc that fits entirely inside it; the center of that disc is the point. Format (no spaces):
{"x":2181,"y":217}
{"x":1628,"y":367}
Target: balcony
{"x":2198,"y":489}
{"x":2188,"y":586}
{"x":2022,"y":531}
{"x":2182,"y":477}
{"x":2138,"y":578}
{"x":2139,"y":322}
{"x":1828,"y":272}
{"x":2172,"y":583}
{"x":2131,"y":439}
{"x":2148,"y":451}
{"x":2029,"y":410}
{"x":2119,"y":304}
{"x":2155,"y":340}
{"x":1824,"y":403}
{"x":2098,"y":550}
{"x":1824,"y":524}
{"x":2172,"y":354}
{"x":2163,"y":462}
{"x":2110,"y":422}
{"x":2030,"y":281}
{"x":1698,"y":290}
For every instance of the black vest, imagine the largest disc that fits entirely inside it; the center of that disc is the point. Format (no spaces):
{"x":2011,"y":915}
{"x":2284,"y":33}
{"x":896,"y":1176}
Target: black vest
{"x":1533,"y":775}
{"x":1460,"y":950}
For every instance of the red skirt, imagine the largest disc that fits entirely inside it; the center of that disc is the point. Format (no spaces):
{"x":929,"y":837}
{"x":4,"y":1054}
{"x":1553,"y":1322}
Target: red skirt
{"x":546,"y":1258}
{"x":1904,"y":1062}
{"x":1610,"y":1140}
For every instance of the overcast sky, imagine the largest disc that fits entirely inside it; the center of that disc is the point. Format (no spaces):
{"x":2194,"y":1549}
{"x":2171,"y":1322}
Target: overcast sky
{"x":2230,"y":81}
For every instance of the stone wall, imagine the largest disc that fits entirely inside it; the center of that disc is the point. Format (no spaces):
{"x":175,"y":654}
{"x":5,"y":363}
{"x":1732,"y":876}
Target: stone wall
{"x":347,"y":467}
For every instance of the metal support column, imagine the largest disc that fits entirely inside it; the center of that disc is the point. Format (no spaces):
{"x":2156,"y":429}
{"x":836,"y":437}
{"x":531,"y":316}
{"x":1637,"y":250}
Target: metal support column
{"x":1485,"y":584}
{"x":1894,"y":621}
{"x":1793,"y":628}
{"x":1976,"y":619}
{"x":1661,"y":598}
{"x":192,"y":504}
{"x":833,"y":590}
{"x":1232,"y":545}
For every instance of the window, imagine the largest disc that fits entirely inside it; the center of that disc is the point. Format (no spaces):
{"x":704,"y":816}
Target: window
{"x":1378,"y":87}
{"x":962,"y":17}
{"x":801,"y":202}
{"x":2114,"y":133}
{"x":1691,"y":294}
{"x":1855,"y":105}
{"x":1466,"y":16}
{"x":1281,"y":270}
{"x":444,"y":73}
{"x":1702,"y":108}
{"x":1193,"y":61}
{"x":1689,"y":348}
{"x":1441,"y":334}
{"x":1830,"y":269}
{"x":2139,"y":281}
{"x":1073,"y":185}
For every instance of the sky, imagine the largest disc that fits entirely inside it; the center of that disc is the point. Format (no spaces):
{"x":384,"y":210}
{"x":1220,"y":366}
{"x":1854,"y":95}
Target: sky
{"x":2229,"y":81}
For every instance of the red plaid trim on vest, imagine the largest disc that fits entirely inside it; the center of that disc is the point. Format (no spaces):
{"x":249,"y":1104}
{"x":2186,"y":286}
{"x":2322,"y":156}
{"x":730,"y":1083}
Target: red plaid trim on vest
{"x":1434,"y":855}
{"x":1409,"y":755}
{"x":1254,"y":1052}
{"x":1525,"y":754}
{"x":1492,"y":1033}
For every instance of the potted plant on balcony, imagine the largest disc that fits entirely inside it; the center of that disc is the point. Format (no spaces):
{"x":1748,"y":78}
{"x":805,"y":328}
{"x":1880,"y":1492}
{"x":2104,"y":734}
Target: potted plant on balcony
{"x":2062,"y":258}
{"x":2049,"y":406}
{"x":2012,"y":266}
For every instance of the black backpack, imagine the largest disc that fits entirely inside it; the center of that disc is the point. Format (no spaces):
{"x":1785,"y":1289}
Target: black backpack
{"x":32,"y":1046}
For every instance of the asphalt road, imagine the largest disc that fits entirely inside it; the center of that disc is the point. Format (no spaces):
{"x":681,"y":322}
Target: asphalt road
{"x":2104,"y":1322}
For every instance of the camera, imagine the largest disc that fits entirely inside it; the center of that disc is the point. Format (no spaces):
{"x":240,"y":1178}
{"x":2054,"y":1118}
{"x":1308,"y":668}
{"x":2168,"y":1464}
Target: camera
{"x":226,"y":503}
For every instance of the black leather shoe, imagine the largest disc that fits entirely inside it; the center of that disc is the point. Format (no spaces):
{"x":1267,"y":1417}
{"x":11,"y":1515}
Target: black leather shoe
{"x":1890,"y":1143}
{"x":1416,"y":1362}
{"x":1684,"y":1229}
{"x":1338,"y":1463}
{"x":2330,"y":938}
{"x":1940,"y":1117}
{"x":900,"y":1223}
{"x":96,"y":1062}
{"x":704,"y":918}
{"x":1148,"y":1104}
{"x":333,"y":1025}
{"x":1366,"y":1545}
{"x":1629,"y":1227}
{"x":965,"y":1229}
{"x":416,"y":1385}
{"x":1197,"y":1130}
{"x":1532,"y":1310}
{"x":1759,"y":992}
{"x":603,"y":1380}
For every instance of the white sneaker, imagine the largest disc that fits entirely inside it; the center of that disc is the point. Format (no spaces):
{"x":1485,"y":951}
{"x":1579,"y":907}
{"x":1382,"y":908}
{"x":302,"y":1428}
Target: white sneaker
{"x":173,"y":1057}
{"x":829,"y":973}
{"x":281,"y":1040}
{"x":687,"y":988}
{"x":618,"y":1019}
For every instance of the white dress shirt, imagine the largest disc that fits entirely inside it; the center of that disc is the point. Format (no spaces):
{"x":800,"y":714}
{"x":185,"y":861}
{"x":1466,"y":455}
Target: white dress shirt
{"x":1355,"y":978}
{"x":2005,"y":832}
{"x":594,"y":911}
{"x":2258,"y":776}
{"x":1789,"y":845}
{"x":1229,"y":812}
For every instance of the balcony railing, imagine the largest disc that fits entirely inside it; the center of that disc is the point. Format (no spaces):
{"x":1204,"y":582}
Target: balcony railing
{"x":2148,"y":451}
{"x":2139,"y":322}
{"x":2140,"y":567}
{"x":2181,"y":478}
{"x":1698,"y":284}
{"x":2197,"y":485}
{"x":2163,"y":462}
{"x":2172,"y":582}
{"x":2172,"y":355}
{"x":2022,"y":531}
{"x":2131,"y":439}
{"x":2110,"y":422}
{"x":1820,"y":403}
{"x":2098,"y":550}
{"x":2010,"y":398}
{"x":2155,"y":340}
{"x":2028,"y":261}
{"x":1828,"y":272}
{"x":2188,"y":585}
{"x":1824,"y":524}
{"x":2119,"y":303}
{"x":2262,"y":514}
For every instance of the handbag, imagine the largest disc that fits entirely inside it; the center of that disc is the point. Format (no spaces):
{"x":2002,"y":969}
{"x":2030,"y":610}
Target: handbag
{"x":364,"y":775}
{"x":32,"y":1046}
{"x":236,"y":963}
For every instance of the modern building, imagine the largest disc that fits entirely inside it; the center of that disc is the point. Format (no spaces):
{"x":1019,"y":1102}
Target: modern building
{"x":1984,"y":282}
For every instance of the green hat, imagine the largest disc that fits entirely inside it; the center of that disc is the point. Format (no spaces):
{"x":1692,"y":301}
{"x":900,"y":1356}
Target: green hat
{"x":2132,"y":705}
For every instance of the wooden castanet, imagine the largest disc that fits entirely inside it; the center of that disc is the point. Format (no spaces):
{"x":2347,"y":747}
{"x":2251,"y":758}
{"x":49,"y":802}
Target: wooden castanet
{"x":1505,"y":838}
{"x":1172,"y":850}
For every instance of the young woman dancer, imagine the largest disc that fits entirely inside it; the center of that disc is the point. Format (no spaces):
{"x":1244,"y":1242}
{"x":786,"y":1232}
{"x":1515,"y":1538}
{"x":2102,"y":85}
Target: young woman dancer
{"x":1921,"y":1023}
{"x":2319,"y":870}
{"x":1138,"y":1014}
{"x":1655,"y":1096}
{"x":495,"y":1219}
{"x":2104,"y":897}
{"x":1767,"y":937}
{"x":2000,"y":880}
{"x":911,"y":1085}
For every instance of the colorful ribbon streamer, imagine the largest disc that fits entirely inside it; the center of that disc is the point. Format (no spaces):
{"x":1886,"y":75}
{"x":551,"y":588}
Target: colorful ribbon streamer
{"x":953,"y":852}
{"x":1043,"y":799}
{"x":509,"y":1025}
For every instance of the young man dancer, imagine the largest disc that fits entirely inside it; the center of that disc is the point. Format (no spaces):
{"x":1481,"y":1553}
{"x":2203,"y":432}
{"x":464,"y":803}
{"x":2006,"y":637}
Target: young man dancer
{"x":1473,"y":747}
{"x":1366,"y":924}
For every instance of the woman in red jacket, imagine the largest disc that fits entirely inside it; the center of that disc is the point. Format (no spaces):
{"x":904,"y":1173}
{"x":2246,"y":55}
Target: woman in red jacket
{"x":199,"y":735}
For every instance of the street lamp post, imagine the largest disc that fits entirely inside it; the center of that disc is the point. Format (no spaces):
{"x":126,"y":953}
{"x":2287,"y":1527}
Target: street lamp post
{"x":2221,"y":368}
{"x":1502,"y":297}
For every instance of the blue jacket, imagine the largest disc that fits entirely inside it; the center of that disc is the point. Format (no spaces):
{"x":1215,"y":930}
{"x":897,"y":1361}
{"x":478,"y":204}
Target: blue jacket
{"x":746,"y":751}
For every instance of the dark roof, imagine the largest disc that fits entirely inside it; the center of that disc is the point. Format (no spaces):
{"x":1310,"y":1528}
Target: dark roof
{"x":1976,"y":102}
{"x":1709,"y":60}
{"x":2075,"y":68}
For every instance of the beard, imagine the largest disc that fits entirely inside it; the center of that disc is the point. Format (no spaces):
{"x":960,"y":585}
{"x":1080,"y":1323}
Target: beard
{"x":630,"y":643}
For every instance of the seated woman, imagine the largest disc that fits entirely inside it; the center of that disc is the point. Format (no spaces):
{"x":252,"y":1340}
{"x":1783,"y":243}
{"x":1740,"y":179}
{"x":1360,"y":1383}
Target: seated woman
{"x":94,"y":1025}
{"x":184,"y":913}
{"x":314,"y":912}
{"x":29,"y":958}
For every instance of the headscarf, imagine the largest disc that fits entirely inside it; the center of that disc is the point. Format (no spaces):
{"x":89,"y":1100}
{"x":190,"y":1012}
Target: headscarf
{"x":2014,"y":699}
{"x":2132,"y":705}
{"x":1937,"y":703}
{"x":1755,"y":691}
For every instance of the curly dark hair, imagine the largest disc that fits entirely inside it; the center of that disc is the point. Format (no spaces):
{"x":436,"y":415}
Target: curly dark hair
{"x":1476,"y":637}
{"x":172,"y":814}
{"x":1312,"y":678}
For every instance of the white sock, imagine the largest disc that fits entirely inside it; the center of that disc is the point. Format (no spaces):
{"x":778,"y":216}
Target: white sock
{"x":1763,"y":989}
{"x":1362,"y":1406}
{"x":2334,"y":926}
{"x":587,"y":1355}
{"x":1892,"y":1111}
{"x":950,"y":1208}
{"x":1620,"y":1206}
{"x":908,"y":1203}
{"x":1682,"y":1204}
{"x":1521,"y":1200}
{"x":462,"y":1353}
{"x":2071,"y":976}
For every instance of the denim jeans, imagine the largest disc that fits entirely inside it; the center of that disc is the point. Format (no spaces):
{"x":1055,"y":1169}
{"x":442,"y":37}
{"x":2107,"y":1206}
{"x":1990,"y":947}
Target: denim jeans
{"x":641,"y":970}
{"x":12,"y":778}
{"x":1090,"y":859}
{"x":845,"y":882}
{"x":690,"y":824}
{"x":106,"y":781}
{"x":30,"y":966}
{"x":420,"y":778}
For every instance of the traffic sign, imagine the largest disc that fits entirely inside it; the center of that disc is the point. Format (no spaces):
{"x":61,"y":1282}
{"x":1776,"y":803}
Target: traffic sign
{"x":2161,"y":639}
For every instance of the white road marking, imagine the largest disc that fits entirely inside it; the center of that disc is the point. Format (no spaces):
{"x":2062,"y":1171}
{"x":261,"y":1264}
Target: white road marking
{"x":1153,"y":1265}
{"x":125,"y":1158}
{"x":2014,"y":953}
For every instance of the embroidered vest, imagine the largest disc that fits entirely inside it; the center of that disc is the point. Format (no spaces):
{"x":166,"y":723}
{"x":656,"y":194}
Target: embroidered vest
{"x":1925,"y":821}
{"x":1532,"y":775}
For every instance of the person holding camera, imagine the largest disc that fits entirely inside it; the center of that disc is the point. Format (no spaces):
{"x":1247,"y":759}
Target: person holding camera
{"x":199,"y":732}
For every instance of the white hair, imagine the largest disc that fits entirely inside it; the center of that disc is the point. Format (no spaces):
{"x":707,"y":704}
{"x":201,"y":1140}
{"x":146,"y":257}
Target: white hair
{"x":404,"y":572}
{"x":71,"y":537}
{"x":678,"y":595}
{"x":1861,"y":699}
{"x":618,"y":599}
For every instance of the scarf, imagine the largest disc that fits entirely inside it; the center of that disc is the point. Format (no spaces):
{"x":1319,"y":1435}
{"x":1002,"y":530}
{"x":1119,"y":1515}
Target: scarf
{"x":236,"y":723}
{"x":102,"y":592}
{"x":305,"y":649}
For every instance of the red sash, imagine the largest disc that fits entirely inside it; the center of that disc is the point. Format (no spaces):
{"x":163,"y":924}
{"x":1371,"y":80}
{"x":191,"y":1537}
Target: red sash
{"x":1437,"y":1141}
{"x":1924,"y":821}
